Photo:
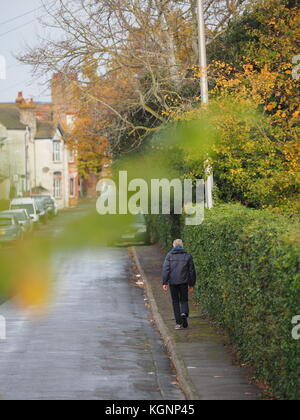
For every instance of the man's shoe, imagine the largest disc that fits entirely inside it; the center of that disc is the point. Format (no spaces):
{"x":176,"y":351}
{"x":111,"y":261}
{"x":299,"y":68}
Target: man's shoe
{"x":185,"y":323}
{"x":178,"y":327}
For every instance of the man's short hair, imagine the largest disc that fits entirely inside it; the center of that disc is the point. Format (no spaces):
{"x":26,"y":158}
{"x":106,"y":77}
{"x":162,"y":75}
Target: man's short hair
{"x":178,"y":242}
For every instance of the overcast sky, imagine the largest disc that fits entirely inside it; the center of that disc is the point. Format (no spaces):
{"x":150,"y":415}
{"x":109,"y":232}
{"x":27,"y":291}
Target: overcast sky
{"x":14,"y":35}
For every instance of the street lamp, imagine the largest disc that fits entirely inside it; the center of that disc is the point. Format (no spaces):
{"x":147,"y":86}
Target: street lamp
{"x":204,"y":93}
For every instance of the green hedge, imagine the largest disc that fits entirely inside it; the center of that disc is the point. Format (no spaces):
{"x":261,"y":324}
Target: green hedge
{"x":164,"y":229}
{"x":248,"y":264}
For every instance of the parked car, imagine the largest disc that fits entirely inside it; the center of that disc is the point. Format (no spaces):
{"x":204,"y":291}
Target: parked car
{"x":23,"y":218}
{"x":42,"y":208}
{"x":50,"y":204}
{"x":10,"y":229}
{"x":28,"y":204}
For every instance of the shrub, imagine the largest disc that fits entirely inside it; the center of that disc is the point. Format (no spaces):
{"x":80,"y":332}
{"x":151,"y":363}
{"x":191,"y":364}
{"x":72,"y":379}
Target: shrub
{"x":163,"y":229}
{"x":248,"y":265}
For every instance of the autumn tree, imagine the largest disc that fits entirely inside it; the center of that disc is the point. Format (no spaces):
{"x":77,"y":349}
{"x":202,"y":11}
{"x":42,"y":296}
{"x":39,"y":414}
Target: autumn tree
{"x":148,"y":43}
{"x":257,"y":155}
{"x":94,"y":118}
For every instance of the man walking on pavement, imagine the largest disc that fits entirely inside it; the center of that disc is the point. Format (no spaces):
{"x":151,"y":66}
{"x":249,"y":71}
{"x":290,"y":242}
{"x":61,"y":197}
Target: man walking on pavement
{"x":179,"y":275}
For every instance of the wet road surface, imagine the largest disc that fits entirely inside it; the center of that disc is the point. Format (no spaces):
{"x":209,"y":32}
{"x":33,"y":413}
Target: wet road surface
{"x":95,"y":342}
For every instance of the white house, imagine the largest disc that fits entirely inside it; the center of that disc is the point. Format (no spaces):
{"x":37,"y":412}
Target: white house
{"x":50,"y":163}
{"x":12,"y":151}
{"x":33,"y":156}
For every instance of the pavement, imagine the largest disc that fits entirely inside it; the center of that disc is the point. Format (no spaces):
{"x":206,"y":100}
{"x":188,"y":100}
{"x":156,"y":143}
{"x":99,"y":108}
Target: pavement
{"x":205,"y":365}
{"x":95,"y":342}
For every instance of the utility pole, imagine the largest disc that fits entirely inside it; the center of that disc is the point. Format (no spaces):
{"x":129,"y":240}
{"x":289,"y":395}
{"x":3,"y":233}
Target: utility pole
{"x":202,"y":52}
{"x":204,"y":93}
{"x":35,"y":172}
{"x":26,"y":141}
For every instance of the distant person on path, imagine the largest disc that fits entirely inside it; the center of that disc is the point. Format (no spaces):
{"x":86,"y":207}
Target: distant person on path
{"x":179,"y":275}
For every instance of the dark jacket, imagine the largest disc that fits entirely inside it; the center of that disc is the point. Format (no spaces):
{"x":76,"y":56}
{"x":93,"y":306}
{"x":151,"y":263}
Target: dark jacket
{"x":179,"y":268}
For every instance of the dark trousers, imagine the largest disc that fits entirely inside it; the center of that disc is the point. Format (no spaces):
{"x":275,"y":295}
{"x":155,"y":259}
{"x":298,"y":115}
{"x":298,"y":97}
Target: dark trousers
{"x":180,"y":299}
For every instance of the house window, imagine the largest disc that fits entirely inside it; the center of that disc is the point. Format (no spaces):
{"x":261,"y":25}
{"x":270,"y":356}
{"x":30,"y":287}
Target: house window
{"x":71,"y":156}
{"x":70,"y":120}
{"x":56,"y":151}
{"x":72,"y":187}
{"x":57,"y":184}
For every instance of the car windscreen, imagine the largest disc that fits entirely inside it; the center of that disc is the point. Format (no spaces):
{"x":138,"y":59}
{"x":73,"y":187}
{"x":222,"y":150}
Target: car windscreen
{"x":6,"y":221}
{"x":40,"y":203}
{"x":28,"y":207}
{"x":49,"y":201}
{"x":20,"y":216}
{"x":45,"y":198}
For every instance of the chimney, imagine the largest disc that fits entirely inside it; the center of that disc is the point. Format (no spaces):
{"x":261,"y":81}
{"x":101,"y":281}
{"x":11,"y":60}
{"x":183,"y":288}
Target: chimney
{"x":20,"y":100}
{"x":27,"y":110}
